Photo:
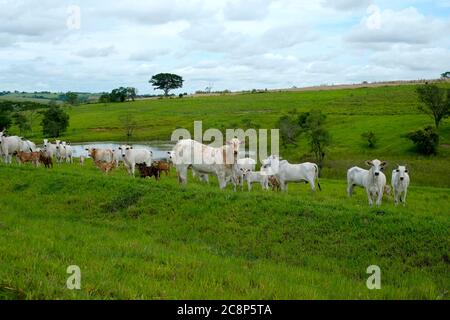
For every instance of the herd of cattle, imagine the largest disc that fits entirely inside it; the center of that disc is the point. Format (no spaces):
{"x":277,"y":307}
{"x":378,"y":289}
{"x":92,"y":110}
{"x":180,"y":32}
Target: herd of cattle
{"x":223,"y":162}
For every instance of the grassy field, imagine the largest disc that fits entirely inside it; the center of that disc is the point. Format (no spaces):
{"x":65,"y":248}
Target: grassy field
{"x":391,"y":112}
{"x":136,"y":238}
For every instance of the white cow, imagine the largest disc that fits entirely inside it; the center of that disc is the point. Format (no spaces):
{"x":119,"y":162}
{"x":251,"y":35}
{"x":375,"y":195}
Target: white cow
{"x":131,"y":157}
{"x":117,"y":155}
{"x":68,"y":152}
{"x":285,"y":172}
{"x":27,"y":146}
{"x":60,"y":151}
{"x":103,"y":155}
{"x":400,"y":182}
{"x":373,"y":180}
{"x":195,"y":174}
{"x":206,"y":159}
{"x":50,"y":148}
{"x":255,"y":177}
{"x":9,"y":145}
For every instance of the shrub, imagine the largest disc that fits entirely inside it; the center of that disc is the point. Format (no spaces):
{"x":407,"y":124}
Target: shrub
{"x":371,"y":138}
{"x":426,"y":140}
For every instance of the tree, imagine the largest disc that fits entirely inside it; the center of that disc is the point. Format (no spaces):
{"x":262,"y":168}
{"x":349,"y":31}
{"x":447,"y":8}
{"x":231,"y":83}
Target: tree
{"x":289,"y":130}
{"x":370,"y":137}
{"x":445,"y":75}
{"x":105,"y":98}
{"x":71,"y":98}
{"x":426,"y":140}
{"x":435,"y":102}
{"x":22,"y":122}
{"x":312,"y":124}
{"x":5,"y":116}
{"x":131,"y":93}
{"x":166,"y":82}
{"x":119,"y":95}
{"x":55,"y":121}
{"x":129,"y":124}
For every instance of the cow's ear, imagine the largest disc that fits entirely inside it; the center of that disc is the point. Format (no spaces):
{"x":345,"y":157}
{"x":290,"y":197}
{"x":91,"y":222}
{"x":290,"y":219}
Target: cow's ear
{"x":369,"y":163}
{"x":241,"y":142}
{"x":384,"y":164}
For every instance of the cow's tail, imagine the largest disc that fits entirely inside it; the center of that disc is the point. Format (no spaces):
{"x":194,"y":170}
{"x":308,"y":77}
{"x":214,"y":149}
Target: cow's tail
{"x":316,"y":167}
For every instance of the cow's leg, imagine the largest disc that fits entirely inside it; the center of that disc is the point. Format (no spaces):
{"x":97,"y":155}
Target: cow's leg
{"x":369,"y":195}
{"x":350,"y":189}
{"x":283,"y":185}
{"x":311,"y":183}
{"x":395,"y":197}
{"x":404,"y":197}
{"x":380,"y":197}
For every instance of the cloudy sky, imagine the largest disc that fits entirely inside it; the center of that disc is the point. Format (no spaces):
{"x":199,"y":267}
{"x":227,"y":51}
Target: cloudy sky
{"x":229,"y":44}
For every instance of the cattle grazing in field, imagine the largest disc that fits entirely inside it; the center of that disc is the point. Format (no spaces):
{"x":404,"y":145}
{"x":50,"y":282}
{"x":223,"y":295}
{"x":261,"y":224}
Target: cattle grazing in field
{"x":45,"y":159}
{"x":373,"y":180}
{"x":149,"y":171}
{"x":255,"y":177}
{"x":9,"y":146}
{"x":163,"y":166}
{"x":131,"y":157}
{"x":24,"y":157}
{"x":106,"y":167}
{"x":104,"y":155}
{"x":400,"y":182}
{"x":285,"y":172}
{"x":206,"y":159}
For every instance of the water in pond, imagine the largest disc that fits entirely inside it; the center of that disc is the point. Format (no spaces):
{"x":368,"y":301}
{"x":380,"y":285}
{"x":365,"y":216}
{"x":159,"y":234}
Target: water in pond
{"x":159,"y":148}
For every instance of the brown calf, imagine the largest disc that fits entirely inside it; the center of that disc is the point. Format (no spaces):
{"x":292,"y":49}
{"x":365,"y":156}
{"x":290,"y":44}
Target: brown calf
{"x":151,"y":171}
{"x":162,"y":166}
{"x":23,"y":157}
{"x":45,"y":159}
{"x":106,"y":167}
{"x":273,"y":182}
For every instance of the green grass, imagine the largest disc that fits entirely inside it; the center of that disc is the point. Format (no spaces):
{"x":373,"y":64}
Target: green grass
{"x":136,"y":239}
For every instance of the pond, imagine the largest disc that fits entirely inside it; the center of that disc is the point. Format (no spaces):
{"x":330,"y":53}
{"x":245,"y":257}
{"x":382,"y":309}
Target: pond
{"x":159,"y":148}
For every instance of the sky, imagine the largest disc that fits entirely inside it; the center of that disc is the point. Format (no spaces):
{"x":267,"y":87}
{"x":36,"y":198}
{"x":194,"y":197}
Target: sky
{"x":96,"y":46}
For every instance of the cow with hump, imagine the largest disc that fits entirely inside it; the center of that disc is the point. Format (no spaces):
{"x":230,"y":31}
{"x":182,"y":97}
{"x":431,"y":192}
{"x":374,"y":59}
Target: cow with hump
{"x":206,"y":159}
{"x":372,"y":180}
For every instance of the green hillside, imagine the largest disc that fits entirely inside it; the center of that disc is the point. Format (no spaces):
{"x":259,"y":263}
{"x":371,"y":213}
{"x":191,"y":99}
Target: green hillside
{"x":135,"y":239}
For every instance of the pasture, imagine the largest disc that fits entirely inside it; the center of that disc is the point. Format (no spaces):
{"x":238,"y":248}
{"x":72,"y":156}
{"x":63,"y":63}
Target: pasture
{"x":135,"y":238}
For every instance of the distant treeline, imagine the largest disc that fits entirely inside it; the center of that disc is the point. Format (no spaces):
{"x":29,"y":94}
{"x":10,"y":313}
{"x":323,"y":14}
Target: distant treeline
{"x":21,"y":105}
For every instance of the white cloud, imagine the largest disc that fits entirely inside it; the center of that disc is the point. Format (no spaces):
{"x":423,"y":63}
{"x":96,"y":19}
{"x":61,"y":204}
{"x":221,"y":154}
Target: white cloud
{"x":404,"y":26}
{"x":233,"y":44}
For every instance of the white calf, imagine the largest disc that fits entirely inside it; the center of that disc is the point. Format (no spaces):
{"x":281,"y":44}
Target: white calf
{"x":400,"y":182}
{"x":255,"y":177}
